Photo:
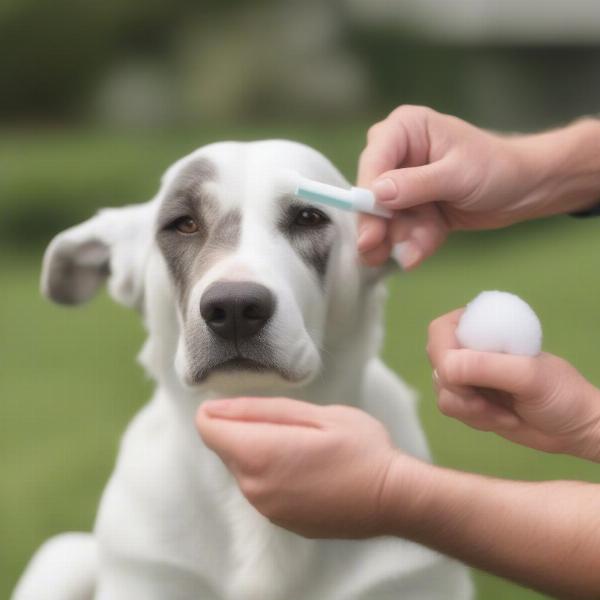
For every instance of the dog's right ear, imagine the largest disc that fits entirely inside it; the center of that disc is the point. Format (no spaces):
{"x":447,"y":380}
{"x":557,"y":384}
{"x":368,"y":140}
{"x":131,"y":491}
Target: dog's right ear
{"x":110,"y":246}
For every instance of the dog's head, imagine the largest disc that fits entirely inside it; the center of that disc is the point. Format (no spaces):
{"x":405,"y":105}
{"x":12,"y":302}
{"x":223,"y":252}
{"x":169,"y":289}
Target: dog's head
{"x":231,"y":272}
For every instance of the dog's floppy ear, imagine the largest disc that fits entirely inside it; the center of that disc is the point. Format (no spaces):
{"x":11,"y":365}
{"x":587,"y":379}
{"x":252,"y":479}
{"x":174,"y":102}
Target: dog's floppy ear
{"x":111,"y":245}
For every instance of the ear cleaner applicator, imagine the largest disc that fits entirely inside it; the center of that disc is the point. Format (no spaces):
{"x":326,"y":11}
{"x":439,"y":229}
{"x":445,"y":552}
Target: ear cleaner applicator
{"x":354,"y":199}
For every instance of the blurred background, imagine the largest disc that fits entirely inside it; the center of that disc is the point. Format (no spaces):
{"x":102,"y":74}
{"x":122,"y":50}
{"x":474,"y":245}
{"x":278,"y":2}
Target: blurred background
{"x":98,"y":98}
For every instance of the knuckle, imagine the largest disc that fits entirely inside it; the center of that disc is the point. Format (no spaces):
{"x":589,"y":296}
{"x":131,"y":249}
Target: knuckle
{"x":532,"y":377}
{"x":472,"y":362}
{"x":429,"y":349}
{"x":536,"y":374}
{"x":246,"y":485}
{"x":367,"y":162}
{"x":374,"y":131}
{"x":255,"y":463}
{"x":445,"y":403}
{"x":410,"y":111}
{"x":433,"y":328}
{"x":481,"y":425}
{"x":455,"y":368}
{"x":253,"y":489}
{"x":445,"y":369}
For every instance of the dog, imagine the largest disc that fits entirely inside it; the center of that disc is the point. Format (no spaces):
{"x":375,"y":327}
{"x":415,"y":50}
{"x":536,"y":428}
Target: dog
{"x":243,"y":290}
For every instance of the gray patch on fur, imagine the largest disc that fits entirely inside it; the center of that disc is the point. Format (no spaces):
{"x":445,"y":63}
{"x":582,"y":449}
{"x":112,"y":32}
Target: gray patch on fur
{"x":194,"y":173}
{"x":313,"y":244}
{"x":227,"y":231}
{"x":185,"y":195}
{"x":188,"y":256}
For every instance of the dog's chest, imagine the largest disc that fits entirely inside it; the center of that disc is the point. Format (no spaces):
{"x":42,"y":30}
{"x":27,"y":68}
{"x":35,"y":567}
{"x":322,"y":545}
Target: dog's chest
{"x":171,"y":504}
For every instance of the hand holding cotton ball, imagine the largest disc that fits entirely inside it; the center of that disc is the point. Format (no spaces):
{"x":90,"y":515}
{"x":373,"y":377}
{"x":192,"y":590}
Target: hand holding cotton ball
{"x":500,"y":322}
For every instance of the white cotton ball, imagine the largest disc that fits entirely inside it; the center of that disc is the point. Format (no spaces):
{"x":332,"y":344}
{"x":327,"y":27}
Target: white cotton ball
{"x":500,"y":322}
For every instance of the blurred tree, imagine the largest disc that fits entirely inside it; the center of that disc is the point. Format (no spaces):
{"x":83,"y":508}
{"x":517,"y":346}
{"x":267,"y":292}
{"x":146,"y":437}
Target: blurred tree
{"x":52,"y":53}
{"x":148,"y":62}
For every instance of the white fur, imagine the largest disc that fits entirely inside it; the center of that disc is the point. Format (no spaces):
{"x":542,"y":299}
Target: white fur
{"x":172,"y":524}
{"x":500,"y":322}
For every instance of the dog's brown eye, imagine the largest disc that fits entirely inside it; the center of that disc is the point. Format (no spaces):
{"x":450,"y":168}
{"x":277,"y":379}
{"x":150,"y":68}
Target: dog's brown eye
{"x":310,"y":217}
{"x":185,"y":225}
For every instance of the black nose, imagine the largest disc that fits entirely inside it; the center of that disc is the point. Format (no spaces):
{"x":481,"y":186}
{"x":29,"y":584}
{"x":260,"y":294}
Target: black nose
{"x":236,"y":309}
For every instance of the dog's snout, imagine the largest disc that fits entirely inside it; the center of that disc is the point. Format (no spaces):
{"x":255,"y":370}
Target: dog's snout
{"x":236,"y":309}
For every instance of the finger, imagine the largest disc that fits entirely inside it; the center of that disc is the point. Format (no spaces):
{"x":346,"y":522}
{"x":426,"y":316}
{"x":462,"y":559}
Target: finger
{"x":237,"y":441}
{"x":283,"y":411}
{"x":429,"y":232}
{"x":442,"y":336}
{"x":414,"y":186}
{"x":505,"y":372}
{"x":490,"y":418}
{"x":477,"y":412}
{"x":223,"y":436}
{"x":377,"y":256}
{"x":385,"y":150}
{"x":402,"y":225}
{"x":371,"y":232}
{"x":423,"y":230}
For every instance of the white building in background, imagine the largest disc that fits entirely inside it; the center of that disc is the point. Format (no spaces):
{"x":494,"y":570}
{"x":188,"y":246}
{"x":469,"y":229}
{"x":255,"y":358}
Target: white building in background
{"x":488,"y":21}
{"x":291,"y":57}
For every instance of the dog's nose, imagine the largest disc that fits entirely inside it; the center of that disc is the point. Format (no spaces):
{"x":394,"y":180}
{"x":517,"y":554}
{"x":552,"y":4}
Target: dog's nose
{"x":236,"y":309}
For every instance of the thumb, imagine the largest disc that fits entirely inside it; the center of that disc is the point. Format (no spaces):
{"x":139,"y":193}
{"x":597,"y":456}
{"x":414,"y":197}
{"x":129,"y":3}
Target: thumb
{"x":412,"y":186}
{"x":280,"y":411}
{"x":514,"y":374}
{"x":235,"y":427}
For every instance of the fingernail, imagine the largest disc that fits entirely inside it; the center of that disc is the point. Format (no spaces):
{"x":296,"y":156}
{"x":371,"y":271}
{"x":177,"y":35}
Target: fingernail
{"x":407,"y":254}
{"x":397,"y":252}
{"x":217,"y":407}
{"x":436,"y":380}
{"x":385,"y":190}
{"x":362,"y":236}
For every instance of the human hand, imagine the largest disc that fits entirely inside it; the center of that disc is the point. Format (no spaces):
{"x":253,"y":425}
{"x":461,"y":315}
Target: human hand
{"x":321,"y":471}
{"x":542,"y":402}
{"x":442,"y":174}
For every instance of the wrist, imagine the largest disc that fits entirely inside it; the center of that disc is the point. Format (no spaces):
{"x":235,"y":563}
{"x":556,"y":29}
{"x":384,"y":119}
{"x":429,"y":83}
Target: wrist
{"x":561,"y":168}
{"x":588,"y":446}
{"x":419,"y":498}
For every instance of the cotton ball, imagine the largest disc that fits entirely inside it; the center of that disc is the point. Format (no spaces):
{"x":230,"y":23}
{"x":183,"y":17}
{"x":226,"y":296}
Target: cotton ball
{"x":500,"y":322}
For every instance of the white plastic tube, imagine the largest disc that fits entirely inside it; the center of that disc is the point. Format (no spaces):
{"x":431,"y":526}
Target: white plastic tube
{"x":355,"y":199}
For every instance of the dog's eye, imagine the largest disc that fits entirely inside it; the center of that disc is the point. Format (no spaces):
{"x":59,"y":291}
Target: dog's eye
{"x":185,"y":225}
{"x":310,"y":217}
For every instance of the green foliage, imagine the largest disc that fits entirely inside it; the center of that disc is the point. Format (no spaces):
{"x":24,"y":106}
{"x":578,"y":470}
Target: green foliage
{"x":69,"y":382}
{"x":53,"y":54}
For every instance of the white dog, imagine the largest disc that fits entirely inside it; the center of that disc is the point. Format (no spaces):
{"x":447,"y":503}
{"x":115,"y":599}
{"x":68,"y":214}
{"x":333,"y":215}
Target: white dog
{"x":243,"y":290}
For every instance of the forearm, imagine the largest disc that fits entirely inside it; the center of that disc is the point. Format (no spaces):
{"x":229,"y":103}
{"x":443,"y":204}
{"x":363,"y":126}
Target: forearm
{"x":562,"y":168}
{"x":543,"y":535}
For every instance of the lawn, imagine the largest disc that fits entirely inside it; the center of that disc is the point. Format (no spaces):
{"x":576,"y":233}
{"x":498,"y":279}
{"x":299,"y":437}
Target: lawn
{"x":68,"y":378}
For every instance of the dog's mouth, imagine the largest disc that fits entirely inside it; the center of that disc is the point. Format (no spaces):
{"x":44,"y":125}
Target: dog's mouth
{"x":240,"y":365}
{"x":248,"y":364}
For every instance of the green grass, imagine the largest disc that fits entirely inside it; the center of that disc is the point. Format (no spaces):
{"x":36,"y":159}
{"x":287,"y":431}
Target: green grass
{"x":69,"y":382}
